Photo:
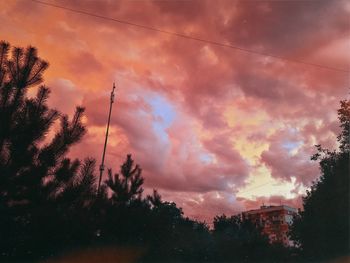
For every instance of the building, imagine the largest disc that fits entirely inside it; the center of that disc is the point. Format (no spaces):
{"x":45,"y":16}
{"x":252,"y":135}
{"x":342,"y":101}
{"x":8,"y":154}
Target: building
{"x":274,"y":221}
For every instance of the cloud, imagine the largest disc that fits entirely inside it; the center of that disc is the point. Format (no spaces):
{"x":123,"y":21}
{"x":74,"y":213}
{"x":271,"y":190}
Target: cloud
{"x":203,"y":121}
{"x":85,"y":63}
{"x":288,"y":157}
{"x":291,"y":25}
{"x":65,"y":96}
{"x":205,"y":206}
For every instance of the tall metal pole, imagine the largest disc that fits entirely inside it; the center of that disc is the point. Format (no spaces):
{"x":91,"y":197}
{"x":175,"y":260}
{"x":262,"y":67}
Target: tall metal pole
{"x":102,"y":166}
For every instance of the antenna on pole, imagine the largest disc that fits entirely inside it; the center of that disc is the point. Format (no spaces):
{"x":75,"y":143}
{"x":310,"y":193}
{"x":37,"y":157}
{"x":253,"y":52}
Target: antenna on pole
{"x":102,"y":166}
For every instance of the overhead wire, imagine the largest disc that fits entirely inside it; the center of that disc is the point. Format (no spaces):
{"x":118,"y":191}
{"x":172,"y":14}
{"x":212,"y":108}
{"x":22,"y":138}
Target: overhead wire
{"x":216,"y":43}
{"x":212,"y":42}
{"x":253,"y":188}
{"x":269,"y":182}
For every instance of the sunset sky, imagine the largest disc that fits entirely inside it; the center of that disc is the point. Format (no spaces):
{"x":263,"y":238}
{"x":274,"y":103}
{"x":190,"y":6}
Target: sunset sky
{"x":215,"y":129}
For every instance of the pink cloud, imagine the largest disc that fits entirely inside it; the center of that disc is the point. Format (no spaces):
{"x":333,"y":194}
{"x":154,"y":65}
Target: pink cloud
{"x":289,"y":157}
{"x":195,"y":160}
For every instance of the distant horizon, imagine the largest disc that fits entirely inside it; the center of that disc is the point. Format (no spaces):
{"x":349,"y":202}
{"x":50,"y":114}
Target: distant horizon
{"x":217,"y":130}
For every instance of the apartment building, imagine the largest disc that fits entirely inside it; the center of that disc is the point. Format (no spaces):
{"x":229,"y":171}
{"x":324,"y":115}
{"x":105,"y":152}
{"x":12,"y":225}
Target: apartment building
{"x":274,"y":221}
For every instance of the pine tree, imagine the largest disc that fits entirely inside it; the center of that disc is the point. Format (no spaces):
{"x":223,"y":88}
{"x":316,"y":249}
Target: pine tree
{"x":126,"y":186}
{"x":36,"y":179}
{"x":27,"y":160}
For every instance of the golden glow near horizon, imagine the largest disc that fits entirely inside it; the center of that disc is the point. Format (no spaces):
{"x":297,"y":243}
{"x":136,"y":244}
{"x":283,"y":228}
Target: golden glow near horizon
{"x":203,"y":121}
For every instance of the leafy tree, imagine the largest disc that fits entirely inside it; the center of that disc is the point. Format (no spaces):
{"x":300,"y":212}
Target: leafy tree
{"x":322,"y":228}
{"x":173,"y":238}
{"x":344,"y":119}
{"x":237,"y":239}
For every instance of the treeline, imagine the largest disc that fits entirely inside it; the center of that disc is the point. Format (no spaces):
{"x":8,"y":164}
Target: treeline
{"x":49,"y":205}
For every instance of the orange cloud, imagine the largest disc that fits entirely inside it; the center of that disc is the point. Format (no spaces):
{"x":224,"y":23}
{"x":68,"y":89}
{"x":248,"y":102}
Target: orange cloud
{"x":236,"y":117}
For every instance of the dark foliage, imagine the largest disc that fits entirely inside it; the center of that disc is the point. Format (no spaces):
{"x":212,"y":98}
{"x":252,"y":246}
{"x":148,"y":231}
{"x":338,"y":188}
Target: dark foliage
{"x":126,"y":187}
{"x":49,"y":205}
{"x":322,"y":229}
{"x":238,"y":240}
{"x":40,"y":190}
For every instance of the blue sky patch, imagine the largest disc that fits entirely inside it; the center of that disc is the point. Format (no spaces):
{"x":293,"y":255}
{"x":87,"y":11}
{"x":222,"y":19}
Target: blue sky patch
{"x":163,"y":109}
{"x":291,"y":145}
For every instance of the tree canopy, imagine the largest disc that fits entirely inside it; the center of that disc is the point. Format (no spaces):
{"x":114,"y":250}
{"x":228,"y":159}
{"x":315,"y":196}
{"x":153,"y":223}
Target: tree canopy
{"x":36,"y":177}
{"x":322,"y":228}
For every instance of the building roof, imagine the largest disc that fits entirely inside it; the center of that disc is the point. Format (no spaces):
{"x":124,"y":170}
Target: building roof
{"x":271,"y":208}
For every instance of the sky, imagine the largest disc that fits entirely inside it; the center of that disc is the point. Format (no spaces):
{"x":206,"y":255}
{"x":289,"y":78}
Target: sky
{"x":215,"y":129}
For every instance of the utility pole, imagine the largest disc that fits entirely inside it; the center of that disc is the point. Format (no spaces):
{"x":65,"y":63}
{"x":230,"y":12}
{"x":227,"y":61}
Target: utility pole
{"x":102,"y":166}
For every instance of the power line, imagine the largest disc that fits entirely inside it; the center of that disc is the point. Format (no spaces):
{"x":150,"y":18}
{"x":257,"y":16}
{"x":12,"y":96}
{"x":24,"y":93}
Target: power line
{"x":196,"y":39}
{"x":297,"y":172}
{"x":253,"y":188}
{"x":216,"y":43}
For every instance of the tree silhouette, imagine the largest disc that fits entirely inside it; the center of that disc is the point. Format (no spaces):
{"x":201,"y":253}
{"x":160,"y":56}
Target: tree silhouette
{"x":174,"y":238}
{"x":26,"y":165}
{"x":155,"y":199}
{"x":237,"y":239}
{"x":344,"y":119}
{"x":126,"y":186}
{"x":322,"y":229}
{"x":35,"y":176}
